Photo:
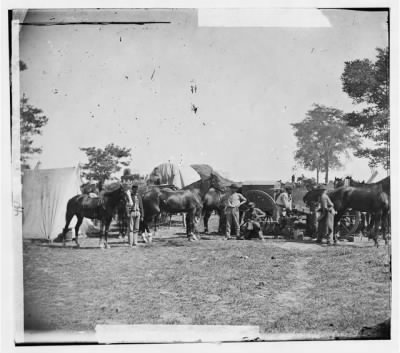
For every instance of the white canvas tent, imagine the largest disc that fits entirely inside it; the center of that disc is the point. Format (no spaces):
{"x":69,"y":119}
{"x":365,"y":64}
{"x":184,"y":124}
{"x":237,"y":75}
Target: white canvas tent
{"x":45,"y":194}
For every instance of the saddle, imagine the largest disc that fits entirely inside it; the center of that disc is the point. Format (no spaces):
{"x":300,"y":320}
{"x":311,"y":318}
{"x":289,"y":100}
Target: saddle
{"x":92,"y":202}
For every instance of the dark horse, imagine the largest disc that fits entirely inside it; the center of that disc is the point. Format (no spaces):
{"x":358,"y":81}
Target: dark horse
{"x":372,"y":200}
{"x":215,"y":200}
{"x":383,"y":185}
{"x":102,"y":208}
{"x":187,"y":200}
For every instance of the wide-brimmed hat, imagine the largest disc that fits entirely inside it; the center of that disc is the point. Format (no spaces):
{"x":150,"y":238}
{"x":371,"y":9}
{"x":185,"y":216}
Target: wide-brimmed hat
{"x":252,"y":204}
{"x":321,"y":187}
{"x":235,"y":186}
{"x":289,"y":187}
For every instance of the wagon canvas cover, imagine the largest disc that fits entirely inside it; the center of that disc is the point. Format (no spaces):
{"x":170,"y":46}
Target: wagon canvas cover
{"x":45,"y":194}
{"x":179,"y":176}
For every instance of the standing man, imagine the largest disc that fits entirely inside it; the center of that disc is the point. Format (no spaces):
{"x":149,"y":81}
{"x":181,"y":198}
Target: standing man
{"x":284,"y":202}
{"x":124,"y":212}
{"x":325,"y":220}
{"x":135,"y":216}
{"x":234,"y":201}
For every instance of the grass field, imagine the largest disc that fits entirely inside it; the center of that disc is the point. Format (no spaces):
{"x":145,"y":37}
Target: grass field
{"x":284,"y":287}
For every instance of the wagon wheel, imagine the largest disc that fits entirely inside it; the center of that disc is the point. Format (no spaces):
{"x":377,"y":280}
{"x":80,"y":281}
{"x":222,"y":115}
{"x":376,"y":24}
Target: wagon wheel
{"x":349,"y":223}
{"x":262,"y":200}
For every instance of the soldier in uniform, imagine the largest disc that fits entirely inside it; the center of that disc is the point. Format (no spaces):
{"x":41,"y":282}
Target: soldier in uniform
{"x":325,"y":220}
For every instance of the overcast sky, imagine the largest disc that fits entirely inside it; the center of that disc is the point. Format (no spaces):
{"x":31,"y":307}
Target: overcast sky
{"x":131,"y":85}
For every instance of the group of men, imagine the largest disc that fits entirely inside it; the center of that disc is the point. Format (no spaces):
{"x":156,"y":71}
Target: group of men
{"x":246,"y":227}
{"x":251,"y":225}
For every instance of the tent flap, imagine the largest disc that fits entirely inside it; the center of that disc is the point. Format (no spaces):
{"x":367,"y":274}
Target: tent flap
{"x":45,"y":194}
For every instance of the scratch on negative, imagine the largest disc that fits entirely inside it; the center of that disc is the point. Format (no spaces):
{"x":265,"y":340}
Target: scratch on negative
{"x":90,"y":23}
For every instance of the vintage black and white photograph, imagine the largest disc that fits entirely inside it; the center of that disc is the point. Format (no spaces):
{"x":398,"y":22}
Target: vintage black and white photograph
{"x":202,"y":174}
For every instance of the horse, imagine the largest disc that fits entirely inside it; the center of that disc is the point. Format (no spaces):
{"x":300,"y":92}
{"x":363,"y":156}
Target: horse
{"x":101,"y":208}
{"x":383,"y":185}
{"x":338,"y":182}
{"x":372,"y":200}
{"x":187,"y":200}
{"x":215,"y":200}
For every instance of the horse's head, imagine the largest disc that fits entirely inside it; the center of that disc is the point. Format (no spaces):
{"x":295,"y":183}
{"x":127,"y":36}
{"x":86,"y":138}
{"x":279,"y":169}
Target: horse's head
{"x":338,"y":182}
{"x":125,"y":194}
{"x":311,"y":197}
{"x":216,"y":183}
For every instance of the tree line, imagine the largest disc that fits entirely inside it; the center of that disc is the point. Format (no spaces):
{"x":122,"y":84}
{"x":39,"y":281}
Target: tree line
{"x":327,"y":134}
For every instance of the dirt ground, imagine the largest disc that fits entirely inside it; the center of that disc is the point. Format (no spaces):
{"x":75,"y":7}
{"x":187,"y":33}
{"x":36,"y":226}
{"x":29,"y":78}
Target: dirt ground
{"x":281,"y":286}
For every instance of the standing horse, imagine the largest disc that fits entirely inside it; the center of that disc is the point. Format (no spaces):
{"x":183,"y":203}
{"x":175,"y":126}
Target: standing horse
{"x":384,"y":184}
{"x":101,"y":208}
{"x":215,"y":200}
{"x":187,"y":200}
{"x":372,"y":200}
{"x":381,"y":185}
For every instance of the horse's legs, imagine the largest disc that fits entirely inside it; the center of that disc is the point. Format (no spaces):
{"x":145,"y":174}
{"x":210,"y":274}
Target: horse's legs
{"x":122,"y":222}
{"x":77,"y":226}
{"x":384,"y":221}
{"x":206,"y":217}
{"x":68,"y":218}
{"x":188,"y":223}
{"x":156,"y":217}
{"x":221,"y":221}
{"x":101,"y":240}
{"x":377,"y":218}
{"x":106,"y":228}
{"x":336,"y":220}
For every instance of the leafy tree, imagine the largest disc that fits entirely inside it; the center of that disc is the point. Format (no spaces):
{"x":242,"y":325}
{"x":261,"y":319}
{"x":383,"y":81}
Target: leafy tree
{"x":32,"y":122}
{"x":102,"y":163}
{"x":322,"y":138}
{"x":367,"y":83}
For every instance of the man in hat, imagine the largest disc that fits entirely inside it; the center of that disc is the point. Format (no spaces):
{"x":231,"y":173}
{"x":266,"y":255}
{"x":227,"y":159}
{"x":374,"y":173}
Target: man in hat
{"x":251,"y":221}
{"x":326,"y":219}
{"x":284,"y":202}
{"x":234,"y":201}
{"x":155,"y":177}
{"x":127,"y":176}
{"x":135,"y":216}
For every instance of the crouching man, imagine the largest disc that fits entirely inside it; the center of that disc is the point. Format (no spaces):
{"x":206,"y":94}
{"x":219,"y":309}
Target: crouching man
{"x":251,"y":225}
